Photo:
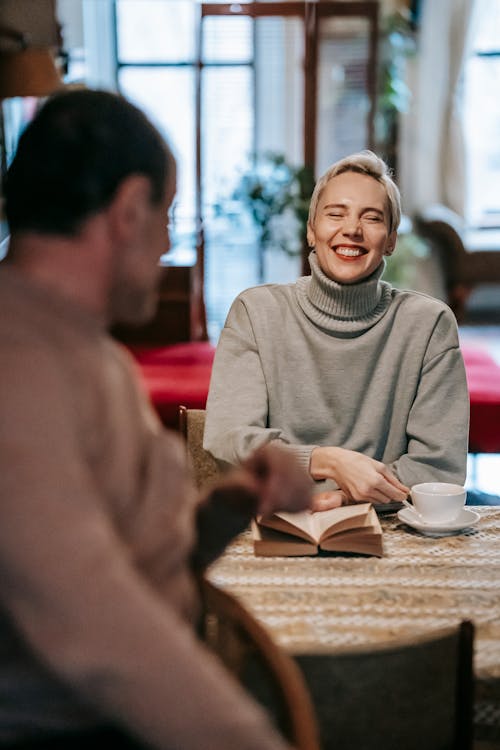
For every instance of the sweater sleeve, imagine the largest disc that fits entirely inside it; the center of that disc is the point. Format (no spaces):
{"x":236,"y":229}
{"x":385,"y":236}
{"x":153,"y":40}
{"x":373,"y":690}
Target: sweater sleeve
{"x":237,"y":405}
{"x":78,"y":597}
{"x":438,"y":422}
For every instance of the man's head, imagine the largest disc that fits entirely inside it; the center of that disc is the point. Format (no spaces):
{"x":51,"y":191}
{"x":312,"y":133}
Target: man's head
{"x":89,"y":154}
{"x":73,"y":156}
{"x":353,"y":217}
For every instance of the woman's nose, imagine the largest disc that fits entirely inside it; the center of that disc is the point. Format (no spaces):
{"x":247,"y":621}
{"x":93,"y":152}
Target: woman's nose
{"x":352,"y":225}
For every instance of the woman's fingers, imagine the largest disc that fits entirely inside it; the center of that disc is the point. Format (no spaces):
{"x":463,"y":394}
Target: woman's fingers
{"x":394,"y":481}
{"x":328,"y":500}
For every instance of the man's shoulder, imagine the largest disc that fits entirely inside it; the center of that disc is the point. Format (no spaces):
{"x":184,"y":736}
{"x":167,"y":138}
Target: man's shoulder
{"x":48,"y":339}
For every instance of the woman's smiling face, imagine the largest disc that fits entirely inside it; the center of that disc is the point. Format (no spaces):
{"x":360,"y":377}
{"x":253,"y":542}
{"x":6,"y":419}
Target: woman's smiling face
{"x":351,"y":228}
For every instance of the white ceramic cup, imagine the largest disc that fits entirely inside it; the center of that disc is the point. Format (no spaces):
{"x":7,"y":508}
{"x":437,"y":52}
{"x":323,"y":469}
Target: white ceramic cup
{"x":438,"y":502}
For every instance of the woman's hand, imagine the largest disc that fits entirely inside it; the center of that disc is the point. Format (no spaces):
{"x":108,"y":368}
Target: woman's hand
{"x":328,"y":500}
{"x":360,"y":478}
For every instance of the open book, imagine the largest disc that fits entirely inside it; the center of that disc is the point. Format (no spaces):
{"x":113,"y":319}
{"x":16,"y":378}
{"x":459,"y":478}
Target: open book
{"x":350,"y":528}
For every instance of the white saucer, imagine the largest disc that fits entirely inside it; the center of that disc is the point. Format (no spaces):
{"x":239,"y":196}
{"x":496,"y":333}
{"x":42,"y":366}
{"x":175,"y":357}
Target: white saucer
{"x":465,"y":519}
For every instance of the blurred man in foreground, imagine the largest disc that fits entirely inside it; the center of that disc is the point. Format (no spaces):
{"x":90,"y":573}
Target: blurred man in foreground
{"x":101,"y":530}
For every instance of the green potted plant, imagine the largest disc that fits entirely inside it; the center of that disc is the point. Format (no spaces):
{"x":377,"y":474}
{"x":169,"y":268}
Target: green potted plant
{"x":402,"y":268}
{"x":275,"y":194}
{"x":394,"y":96}
{"x":415,"y":265}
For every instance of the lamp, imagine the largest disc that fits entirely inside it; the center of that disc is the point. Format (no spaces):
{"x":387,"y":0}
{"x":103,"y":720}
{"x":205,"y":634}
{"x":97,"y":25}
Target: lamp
{"x":29,"y":39}
{"x":30,"y":72}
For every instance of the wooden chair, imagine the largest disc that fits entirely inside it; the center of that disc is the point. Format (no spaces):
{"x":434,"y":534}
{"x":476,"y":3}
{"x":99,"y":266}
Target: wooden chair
{"x":411,"y":695}
{"x":264,"y":669}
{"x":191,"y":426}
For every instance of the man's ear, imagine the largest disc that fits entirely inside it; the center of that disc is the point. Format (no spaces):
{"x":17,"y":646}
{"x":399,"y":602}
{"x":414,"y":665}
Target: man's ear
{"x":391,"y":243}
{"x":128,"y":210}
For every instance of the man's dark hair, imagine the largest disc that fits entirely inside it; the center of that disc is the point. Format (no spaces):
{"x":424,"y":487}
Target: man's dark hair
{"x":72,"y":157}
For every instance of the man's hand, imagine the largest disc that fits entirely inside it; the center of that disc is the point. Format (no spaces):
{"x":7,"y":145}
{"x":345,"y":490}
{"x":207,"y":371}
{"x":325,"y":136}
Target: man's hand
{"x":361,"y":479}
{"x":278,"y":479}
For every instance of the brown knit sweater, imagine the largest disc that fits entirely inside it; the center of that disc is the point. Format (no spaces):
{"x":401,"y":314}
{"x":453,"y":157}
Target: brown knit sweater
{"x":97,"y":602}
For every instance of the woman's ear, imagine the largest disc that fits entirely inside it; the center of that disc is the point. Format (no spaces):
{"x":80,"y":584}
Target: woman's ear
{"x":311,"y":238}
{"x":391,"y":243}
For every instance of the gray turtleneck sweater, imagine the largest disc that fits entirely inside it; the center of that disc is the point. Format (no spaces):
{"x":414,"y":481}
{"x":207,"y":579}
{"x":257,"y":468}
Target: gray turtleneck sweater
{"x":361,"y":366}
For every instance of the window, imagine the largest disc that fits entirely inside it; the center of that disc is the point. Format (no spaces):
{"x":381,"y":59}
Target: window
{"x":482,"y":117}
{"x":156,"y":55}
{"x":161,"y":68}
{"x":225,"y":83}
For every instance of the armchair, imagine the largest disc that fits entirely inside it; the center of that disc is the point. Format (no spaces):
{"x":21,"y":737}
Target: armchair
{"x":463,"y":268}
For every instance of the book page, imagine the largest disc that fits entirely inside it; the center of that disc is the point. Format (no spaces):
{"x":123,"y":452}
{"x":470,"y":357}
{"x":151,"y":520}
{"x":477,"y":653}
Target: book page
{"x":317,"y":526}
{"x":272,"y":543}
{"x":299,"y":524}
{"x":366,"y":539}
{"x":329,"y":522}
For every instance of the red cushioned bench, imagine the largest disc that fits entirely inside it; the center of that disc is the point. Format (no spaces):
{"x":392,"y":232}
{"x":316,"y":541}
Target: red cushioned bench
{"x":483,"y":379}
{"x":176,"y":375}
{"x":180,"y":374}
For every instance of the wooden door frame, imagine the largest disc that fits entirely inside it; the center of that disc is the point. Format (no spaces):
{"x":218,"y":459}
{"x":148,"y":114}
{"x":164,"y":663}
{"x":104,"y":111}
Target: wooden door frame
{"x":312,"y":12}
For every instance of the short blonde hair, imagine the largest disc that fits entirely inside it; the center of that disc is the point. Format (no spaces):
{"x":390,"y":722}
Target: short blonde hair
{"x":364,"y":162}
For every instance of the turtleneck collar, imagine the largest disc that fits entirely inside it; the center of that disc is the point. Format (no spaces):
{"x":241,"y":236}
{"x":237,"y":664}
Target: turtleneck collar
{"x":343,"y":308}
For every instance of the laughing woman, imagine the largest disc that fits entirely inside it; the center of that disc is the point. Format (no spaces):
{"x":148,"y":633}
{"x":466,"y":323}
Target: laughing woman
{"x":363,"y":382}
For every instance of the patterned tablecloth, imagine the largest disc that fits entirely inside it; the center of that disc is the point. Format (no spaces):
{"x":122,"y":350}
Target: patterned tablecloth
{"x":421,"y":583}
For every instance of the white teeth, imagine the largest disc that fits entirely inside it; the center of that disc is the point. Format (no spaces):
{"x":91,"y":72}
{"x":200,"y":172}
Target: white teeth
{"x":349,"y":251}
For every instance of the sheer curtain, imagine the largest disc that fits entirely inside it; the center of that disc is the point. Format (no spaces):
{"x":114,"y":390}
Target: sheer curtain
{"x":432,"y":143}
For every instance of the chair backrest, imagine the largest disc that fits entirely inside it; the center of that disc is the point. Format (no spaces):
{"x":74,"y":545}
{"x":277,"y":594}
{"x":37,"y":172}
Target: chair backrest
{"x":444,"y":228}
{"x":464,"y":267}
{"x":264,"y":668}
{"x":191,"y":426}
{"x":411,"y":695}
